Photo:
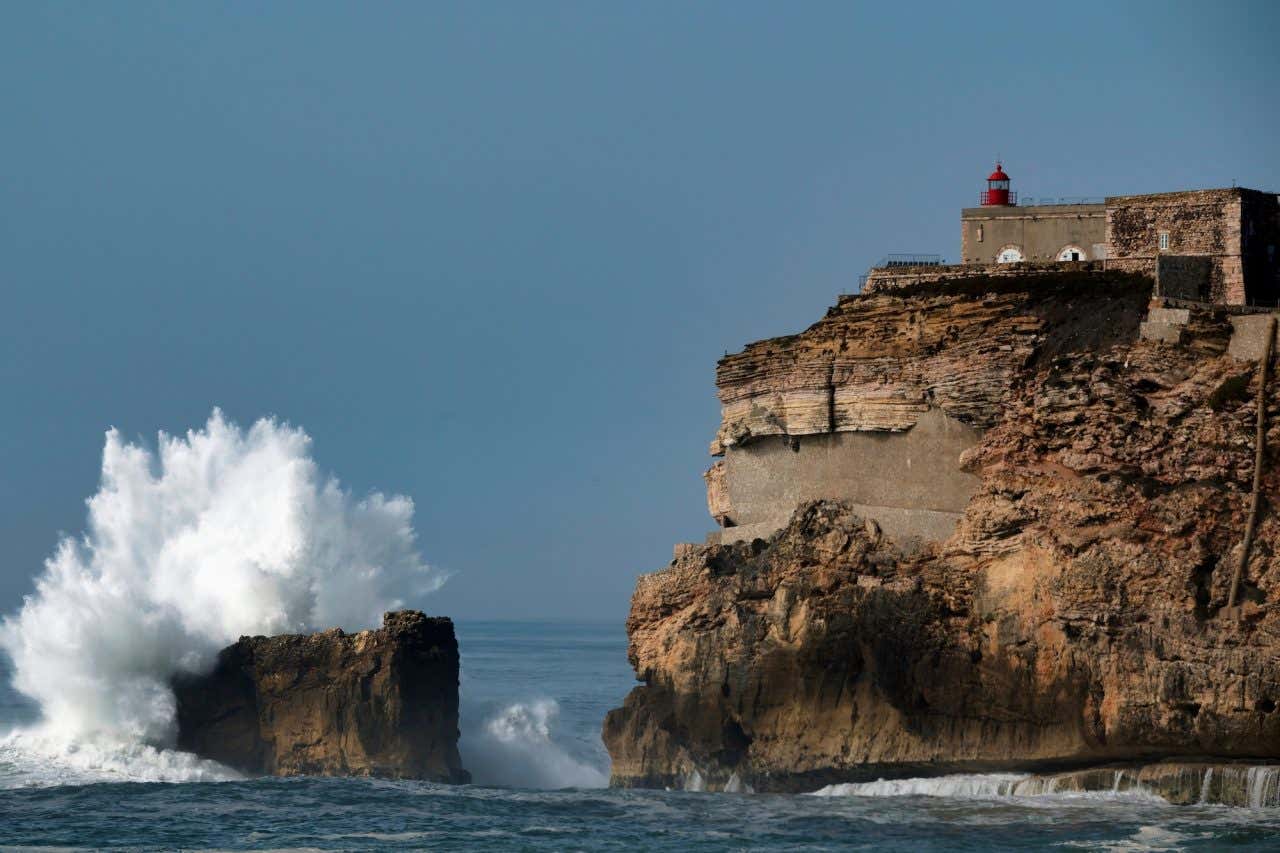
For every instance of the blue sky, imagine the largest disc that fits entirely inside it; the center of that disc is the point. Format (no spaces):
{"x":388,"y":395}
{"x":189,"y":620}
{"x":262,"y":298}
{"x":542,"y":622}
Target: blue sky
{"x":487,"y":254}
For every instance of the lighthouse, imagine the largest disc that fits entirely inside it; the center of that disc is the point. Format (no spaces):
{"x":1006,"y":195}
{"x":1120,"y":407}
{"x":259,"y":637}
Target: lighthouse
{"x":997,"y":193}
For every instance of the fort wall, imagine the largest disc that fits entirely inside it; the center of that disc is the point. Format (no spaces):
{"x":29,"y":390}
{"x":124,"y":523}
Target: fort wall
{"x":1183,"y":276}
{"x":1237,"y":230}
{"x":887,"y":278}
{"x":1039,"y":233}
{"x":1204,"y":223}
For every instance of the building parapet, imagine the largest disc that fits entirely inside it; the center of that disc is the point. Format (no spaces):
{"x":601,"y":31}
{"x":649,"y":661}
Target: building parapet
{"x":1187,"y":198}
{"x":1050,"y":207}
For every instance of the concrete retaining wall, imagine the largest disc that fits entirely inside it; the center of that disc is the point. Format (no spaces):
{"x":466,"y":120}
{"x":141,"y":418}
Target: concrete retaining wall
{"x":1249,"y":336}
{"x":909,"y":482}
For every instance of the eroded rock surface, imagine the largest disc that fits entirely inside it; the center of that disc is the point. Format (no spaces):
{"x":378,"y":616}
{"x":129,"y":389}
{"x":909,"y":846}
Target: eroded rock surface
{"x":878,"y":362}
{"x":1075,"y":617}
{"x":377,"y":703}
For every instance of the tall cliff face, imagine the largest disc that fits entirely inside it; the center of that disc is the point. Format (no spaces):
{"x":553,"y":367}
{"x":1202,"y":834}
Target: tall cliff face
{"x":376,"y":703}
{"x":875,"y":403}
{"x":1074,"y":616}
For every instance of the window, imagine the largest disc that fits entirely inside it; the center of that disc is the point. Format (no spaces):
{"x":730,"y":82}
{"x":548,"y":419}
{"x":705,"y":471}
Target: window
{"x":1010,"y":255}
{"x":1071,"y":253}
{"x":1164,"y":241}
{"x":979,"y":232}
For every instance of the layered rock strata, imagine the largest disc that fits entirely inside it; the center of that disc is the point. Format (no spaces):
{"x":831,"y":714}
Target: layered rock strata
{"x":875,"y":403}
{"x":878,"y":362}
{"x":378,"y":703}
{"x":1076,"y":616}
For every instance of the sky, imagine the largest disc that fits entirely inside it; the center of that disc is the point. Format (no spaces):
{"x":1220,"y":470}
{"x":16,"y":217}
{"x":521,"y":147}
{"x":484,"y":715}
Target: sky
{"x":487,"y":254}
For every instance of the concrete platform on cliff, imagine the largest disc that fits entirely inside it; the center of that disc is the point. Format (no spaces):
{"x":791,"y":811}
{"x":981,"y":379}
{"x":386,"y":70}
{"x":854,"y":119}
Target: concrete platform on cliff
{"x":1168,"y":321}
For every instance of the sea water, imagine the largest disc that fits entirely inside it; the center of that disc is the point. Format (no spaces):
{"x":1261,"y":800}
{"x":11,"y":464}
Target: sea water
{"x":534,"y":696}
{"x":223,"y":531}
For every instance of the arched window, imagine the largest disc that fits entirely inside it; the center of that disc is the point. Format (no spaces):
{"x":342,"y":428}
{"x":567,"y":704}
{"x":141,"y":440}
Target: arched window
{"x":1072,"y":253}
{"x":1010,"y":255}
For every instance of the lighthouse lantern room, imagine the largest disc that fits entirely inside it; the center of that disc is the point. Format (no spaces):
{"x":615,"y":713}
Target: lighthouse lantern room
{"x":997,"y":192}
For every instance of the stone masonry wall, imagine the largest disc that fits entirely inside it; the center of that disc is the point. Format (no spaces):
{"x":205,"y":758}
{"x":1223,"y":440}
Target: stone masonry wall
{"x":1183,"y":276}
{"x":1205,"y":223}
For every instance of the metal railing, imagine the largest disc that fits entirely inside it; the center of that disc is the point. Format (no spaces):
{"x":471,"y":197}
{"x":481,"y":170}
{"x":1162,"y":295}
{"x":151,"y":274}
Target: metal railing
{"x":902,"y":259}
{"x":910,"y":260}
{"x":985,"y":198}
{"x":1046,"y":201}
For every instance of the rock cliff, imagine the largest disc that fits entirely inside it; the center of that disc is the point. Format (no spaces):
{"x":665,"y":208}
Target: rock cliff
{"x":1076,"y":616}
{"x":378,"y":703}
{"x":878,"y":362}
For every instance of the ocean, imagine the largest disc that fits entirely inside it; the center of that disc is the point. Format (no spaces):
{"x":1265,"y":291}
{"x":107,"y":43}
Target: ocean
{"x":534,"y":696}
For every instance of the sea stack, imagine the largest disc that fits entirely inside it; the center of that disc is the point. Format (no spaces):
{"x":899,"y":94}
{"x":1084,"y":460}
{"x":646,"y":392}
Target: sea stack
{"x":377,"y":703}
{"x":982,"y":517}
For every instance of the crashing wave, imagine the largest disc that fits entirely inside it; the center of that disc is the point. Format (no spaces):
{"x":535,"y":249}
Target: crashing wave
{"x":517,"y":747}
{"x":1241,"y":785}
{"x":215,"y":534}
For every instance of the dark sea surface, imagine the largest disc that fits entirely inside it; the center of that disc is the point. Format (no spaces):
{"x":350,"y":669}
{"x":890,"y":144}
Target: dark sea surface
{"x":534,"y":696}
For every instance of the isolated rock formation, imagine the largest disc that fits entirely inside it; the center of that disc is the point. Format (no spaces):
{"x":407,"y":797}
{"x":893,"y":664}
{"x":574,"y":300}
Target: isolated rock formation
{"x":378,"y":703}
{"x":1075,"y":617}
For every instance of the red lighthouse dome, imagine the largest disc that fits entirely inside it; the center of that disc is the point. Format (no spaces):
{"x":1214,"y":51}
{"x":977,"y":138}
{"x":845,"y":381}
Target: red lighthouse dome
{"x":997,"y":192}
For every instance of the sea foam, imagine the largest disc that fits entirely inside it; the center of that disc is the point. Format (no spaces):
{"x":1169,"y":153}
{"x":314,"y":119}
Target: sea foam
{"x":984,"y":786}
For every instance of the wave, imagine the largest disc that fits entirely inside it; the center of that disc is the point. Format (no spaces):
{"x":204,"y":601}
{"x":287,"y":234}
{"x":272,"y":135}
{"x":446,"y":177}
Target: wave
{"x":969,"y":785}
{"x":516,"y":747}
{"x":212,"y":535}
{"x":40,"y":757}
{"x":1241,"y":785}
{"x":986,"y":786}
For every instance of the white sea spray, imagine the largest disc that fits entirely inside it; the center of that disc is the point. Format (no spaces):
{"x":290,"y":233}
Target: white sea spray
{"x":516,"y":745}
{"x":212,"y":535}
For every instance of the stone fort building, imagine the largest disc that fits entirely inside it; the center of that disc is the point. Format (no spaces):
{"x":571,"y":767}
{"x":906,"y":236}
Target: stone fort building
{"x":1220,"y":246}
